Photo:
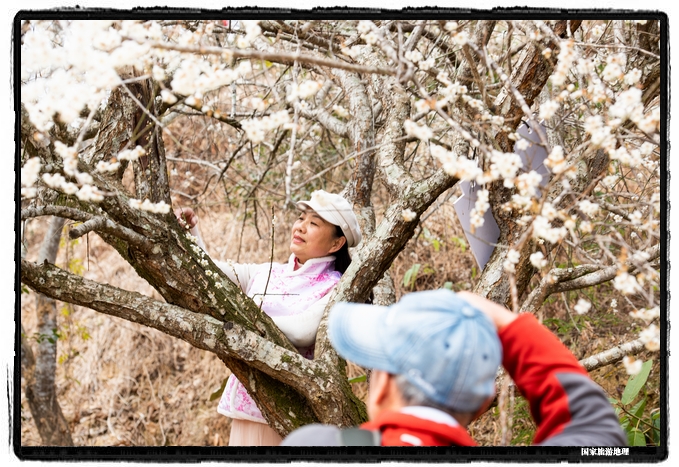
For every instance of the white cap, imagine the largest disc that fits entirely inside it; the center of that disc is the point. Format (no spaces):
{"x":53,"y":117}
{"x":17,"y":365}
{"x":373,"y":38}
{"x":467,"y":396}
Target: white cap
{"x":336,"y":210}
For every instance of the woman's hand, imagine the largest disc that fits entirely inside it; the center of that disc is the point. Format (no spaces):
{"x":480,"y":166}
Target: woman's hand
{"x":186,"y":217}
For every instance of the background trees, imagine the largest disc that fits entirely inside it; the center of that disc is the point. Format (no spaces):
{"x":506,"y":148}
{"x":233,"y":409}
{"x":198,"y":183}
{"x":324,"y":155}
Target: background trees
{"x":238,"y":118}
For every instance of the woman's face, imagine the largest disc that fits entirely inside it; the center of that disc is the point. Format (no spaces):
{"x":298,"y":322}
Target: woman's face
{"x":313,"y":237}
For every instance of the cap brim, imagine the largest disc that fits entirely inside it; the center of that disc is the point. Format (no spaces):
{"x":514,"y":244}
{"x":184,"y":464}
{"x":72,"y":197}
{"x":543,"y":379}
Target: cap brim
{"x":354,"y":331}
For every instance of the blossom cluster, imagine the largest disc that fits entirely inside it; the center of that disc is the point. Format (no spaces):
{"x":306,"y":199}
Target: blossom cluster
{"x":511,"y":261}
{"x":408,"y":215}
{"x":29,"y":175}
{"x":582,"y":307}
{"x":131,"y":154}
{"x":422,"y":132}
{"x":252,"y":31}
{"x":480,"y":207}
{"x":255,"y":128}
{"x":198,"y":75}
{"x":159,"y":208}
{"x":303,"y":90}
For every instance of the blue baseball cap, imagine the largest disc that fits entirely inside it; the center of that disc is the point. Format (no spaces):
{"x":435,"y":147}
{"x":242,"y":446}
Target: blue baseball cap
{"x":439,"y":342}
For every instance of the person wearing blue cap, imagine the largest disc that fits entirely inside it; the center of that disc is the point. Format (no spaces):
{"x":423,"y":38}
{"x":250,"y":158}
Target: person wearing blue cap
{"x":434,"y":357}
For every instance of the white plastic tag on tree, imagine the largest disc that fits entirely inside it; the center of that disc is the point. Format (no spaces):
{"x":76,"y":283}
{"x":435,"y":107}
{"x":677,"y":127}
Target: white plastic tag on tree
{"x":482,"y":241}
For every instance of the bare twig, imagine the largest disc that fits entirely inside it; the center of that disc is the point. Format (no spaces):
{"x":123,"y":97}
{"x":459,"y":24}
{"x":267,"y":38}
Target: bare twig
{"x":278,"y":57}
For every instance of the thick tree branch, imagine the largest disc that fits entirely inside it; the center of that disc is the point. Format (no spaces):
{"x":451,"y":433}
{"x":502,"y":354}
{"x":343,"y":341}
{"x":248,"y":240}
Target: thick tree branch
{"x":59,"y":211}
{"x":613,"y":355}
{"x":102,"y":224}
{"x":229,"y":341}
{"x":563,"y":280}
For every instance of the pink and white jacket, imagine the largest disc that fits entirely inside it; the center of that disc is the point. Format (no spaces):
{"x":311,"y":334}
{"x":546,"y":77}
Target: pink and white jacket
{"x":294,"y":299}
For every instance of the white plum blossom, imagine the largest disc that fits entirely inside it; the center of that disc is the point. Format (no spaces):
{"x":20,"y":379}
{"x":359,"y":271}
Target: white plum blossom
{"x":627,"y":105}
{"x":256,"y":103}
{"x":556,"y":161}
{"x":613,"y":71}
{"x":30,"y":172}
{"x":527,"y":183}
{"x":58,"y":182}
{"x":255,"y":128}
{"x":303,"y":90}
{"x":89,"y":193}
{"x":131,"y":154}
{"x":461,"y":38}
{"x":567,"y":55}
{"x":633,"y":76}
{"x":626,"y":283}
{"x":635,"y":217}
{"x":450,"y":26}
{"x":538,"y":260}
{"x":364,"y":26}
{"x":650,"y":337}
{"x":408,"y":215}
{"x":588,"y":207}
{"x":522,"y":144}
{"x":549,"y":211}
{"x":511,"y":261}
{"x":582,"y":307}
{"x":422,"y":132}
{"x":427,"y":64}
{"x":505,"y":166}
{"x":585,"y":66}
{"x":168,"y":97}
{"x":159,"y":208}
{"x":104,"y":166}
{"x":447,"y":159}
{"x":645,"y":314}
{"x":340,"y":111}
{"x":632,"y":366}
{"x":371,"y":38}
{"x":480,"y":207}
{"x":548,"y":109}
{"x":609,"y":181}
{"x":542,"y":229}
{"x":414,"y":56}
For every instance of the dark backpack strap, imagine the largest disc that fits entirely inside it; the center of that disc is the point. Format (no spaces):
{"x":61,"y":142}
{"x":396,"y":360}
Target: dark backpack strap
{"x":360,"y":437}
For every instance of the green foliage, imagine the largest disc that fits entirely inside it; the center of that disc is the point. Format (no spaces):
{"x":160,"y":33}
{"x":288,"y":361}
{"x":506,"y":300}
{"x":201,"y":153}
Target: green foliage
{"x":636,"y":382}
{"x":459,"y":242}
{"x":411,"y":275}
{"x":217,"y":393}
{"x":358,"y":379}
{"x":523,"y":428}
{"x":25,"y":289}
{"x":642,"y":429}
{"x":433,"y":239}
{"x":51,"y":338}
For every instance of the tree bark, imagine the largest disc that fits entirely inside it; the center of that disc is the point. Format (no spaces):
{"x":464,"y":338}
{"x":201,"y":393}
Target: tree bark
{"x":39,"y":368}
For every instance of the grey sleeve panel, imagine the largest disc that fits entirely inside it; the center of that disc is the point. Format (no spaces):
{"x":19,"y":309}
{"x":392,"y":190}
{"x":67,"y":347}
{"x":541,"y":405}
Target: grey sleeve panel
{"x":313,"y":435}
{"x":593,"y":420}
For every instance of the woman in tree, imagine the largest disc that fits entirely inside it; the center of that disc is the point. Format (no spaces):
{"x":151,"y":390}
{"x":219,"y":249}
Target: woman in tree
{"x":293,"y":294}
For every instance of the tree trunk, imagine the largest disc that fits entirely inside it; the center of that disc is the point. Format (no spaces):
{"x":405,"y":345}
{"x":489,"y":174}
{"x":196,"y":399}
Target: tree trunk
{"x":39,"y":368}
